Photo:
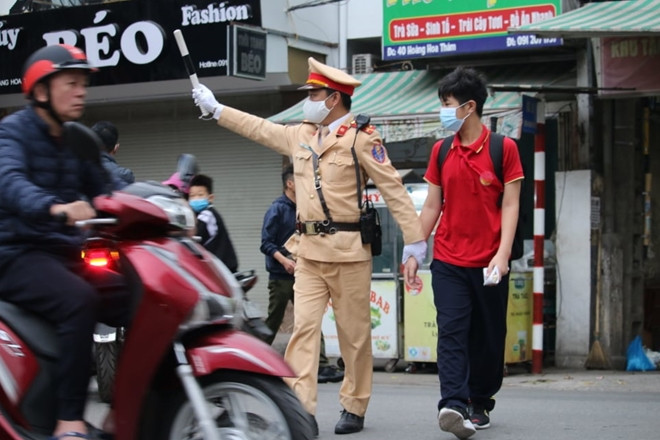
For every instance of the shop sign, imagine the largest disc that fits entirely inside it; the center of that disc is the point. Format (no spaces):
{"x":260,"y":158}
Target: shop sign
{"x":129,"y":41}
{"x":630,"y":63}
{"x":419,"y":320}
{"x":248,"y":52}
{"x":436,"y":28}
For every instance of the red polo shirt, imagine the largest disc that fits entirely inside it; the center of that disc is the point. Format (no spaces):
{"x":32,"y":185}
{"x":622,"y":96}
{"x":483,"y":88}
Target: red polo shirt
{"x":469,"y":231}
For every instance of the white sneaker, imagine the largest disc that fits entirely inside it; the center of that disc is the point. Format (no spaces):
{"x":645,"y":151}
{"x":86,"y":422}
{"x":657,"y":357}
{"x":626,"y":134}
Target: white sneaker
{"x":456,"y":421}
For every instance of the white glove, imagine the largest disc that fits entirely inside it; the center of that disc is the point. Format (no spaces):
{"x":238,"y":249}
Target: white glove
{"x":416,"y":250}
{"x":206,"y":102}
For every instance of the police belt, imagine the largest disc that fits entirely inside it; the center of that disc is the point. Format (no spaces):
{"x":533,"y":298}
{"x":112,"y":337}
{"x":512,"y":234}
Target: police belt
{"x":325,"y":227}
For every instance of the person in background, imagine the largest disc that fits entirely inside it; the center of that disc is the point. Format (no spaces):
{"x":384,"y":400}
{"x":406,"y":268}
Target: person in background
{"x":333,"y":263}
{"x":121,"y":176}
{"x":186,"y":169}
{"x":278,"y":226}
{"x":46,"y":189}
{"x":478,"y":215}
{"x":210,"y":227}
{"x":177,"y":185}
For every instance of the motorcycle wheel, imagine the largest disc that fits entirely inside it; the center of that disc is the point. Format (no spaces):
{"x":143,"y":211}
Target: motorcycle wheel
{"x":244,"y":406}
{"x":106,"y":364}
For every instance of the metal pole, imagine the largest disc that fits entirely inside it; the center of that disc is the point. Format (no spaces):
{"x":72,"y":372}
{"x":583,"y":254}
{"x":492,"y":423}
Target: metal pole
{"x":648,"y":180}
{"x":539,"y":237}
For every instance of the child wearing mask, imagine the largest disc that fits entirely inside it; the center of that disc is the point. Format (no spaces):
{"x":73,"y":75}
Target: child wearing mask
{"x":210,"y":227}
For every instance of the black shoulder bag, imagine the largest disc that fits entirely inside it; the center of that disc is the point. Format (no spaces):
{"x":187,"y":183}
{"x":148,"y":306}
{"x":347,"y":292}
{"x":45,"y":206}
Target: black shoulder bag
{"x":370,"y":229}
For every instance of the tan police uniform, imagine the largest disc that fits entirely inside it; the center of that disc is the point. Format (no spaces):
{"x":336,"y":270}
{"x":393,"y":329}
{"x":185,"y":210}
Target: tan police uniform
{"x":332,"y":266}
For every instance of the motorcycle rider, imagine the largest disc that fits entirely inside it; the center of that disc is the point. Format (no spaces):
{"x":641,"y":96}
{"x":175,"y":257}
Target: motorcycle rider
{"x":42,"y":182}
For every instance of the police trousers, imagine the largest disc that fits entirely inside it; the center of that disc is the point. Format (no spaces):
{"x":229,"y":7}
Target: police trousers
{"x":348,"y":286}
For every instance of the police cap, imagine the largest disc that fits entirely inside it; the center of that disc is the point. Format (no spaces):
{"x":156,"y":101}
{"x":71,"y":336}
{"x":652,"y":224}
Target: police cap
{"x":322,"y":76}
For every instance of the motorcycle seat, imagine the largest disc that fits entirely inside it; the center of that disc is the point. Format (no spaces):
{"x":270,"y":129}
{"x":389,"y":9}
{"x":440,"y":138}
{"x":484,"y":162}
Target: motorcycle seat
{"x":36,"y":332}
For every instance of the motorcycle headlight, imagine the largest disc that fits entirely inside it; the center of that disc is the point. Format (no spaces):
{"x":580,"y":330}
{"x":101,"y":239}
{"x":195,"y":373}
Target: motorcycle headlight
{"x":177,"y":210}
{"x":213,"y":306}
{"x":234,"y":286}
{"x":210,"y":306}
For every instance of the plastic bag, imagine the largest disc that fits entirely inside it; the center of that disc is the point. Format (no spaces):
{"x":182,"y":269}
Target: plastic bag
{"x":637,"y":358}
{"x":654,"y":356}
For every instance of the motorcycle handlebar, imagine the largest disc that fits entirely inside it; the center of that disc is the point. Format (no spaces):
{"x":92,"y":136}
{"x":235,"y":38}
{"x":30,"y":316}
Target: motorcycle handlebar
{"x":96,"y":221}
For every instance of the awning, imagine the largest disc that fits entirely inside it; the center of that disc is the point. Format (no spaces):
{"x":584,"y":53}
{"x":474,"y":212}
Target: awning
{"x":402,"y":105}
{"x":602,"y":19}
{"x":388,"y":95}
{"x":405,"y":105}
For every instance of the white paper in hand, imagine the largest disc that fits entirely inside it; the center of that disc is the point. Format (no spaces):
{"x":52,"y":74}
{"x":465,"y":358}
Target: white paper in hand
{"x":493,"y":278}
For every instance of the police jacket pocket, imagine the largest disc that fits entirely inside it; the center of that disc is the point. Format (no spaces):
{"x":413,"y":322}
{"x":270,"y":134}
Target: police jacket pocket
{"x":302,"y":158}
{"x":339,"y":168}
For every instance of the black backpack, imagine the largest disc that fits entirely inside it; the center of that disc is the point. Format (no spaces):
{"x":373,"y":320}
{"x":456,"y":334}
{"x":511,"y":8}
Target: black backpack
{"x":496,"y":153}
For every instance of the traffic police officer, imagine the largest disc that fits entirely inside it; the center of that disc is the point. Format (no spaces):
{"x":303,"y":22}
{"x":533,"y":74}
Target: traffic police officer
{"x":333,"y":263}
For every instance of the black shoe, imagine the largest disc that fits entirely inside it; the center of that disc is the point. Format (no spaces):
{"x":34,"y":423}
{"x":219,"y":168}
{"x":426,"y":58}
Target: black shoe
{"x":330,"y":374}
{"x":480,"y":417}
{"x":315,"y":426}
{"x":349,"y":423}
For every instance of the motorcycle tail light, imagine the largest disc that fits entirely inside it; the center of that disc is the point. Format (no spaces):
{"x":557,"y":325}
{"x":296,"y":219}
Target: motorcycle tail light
{"x":100,"y":257}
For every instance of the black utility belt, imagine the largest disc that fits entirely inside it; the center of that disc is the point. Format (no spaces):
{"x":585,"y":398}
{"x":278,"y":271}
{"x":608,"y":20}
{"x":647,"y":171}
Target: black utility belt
{"x":325,"y":227}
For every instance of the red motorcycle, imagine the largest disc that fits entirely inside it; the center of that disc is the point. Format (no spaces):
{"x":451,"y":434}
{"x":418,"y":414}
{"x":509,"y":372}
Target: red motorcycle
{"x":185,"y":371}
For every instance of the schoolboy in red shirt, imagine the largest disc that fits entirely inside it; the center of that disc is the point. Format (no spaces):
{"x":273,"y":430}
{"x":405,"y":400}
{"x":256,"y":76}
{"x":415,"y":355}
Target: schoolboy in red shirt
{"x":478,"y":216}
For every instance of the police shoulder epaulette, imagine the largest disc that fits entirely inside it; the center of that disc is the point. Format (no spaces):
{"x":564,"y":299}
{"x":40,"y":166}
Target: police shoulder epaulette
{"x":367,"y":128}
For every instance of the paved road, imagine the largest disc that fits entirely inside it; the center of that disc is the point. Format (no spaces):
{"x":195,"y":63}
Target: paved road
{"x":557,"y":405}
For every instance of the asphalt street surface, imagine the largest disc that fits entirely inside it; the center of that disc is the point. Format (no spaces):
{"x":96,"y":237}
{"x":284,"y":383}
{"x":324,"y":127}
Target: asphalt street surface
{"x":555,"y":405}
{"x":558,"y":405}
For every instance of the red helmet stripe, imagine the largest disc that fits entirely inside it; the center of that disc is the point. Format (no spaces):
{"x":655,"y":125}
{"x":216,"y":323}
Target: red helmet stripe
{"x":36,"y":71}
{"x":75,"y":52}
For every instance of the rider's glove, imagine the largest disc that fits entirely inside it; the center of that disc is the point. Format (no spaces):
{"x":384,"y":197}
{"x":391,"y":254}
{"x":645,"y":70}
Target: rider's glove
{"x":206,"y":102}
{"x":416,"y":250}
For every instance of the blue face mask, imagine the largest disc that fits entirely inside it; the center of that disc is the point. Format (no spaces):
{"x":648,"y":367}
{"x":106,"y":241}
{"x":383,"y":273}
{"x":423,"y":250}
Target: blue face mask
{"x":449,"y":119}
{"x":198,"y":205}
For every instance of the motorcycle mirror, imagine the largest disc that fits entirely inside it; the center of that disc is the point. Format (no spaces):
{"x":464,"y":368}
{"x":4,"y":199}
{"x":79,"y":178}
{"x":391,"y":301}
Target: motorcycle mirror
{"x":83,"y":141}
{"x":187,"y":167}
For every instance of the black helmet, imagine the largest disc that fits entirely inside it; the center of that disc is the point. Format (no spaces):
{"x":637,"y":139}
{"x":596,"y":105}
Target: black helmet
{"x":187,"y":168}
{"x":49,"y":60}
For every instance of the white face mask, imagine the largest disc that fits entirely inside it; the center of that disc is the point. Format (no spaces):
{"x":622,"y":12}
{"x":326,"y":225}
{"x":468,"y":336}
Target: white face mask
{"x":315,"y":111}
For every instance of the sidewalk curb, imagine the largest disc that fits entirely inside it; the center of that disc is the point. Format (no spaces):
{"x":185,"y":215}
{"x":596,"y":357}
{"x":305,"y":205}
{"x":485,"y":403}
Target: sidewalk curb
{"x":550,"y":379}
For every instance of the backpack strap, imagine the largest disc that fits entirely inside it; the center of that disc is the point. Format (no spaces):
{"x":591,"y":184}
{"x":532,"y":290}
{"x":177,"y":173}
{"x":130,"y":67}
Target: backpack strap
{"x":444,"y":150}
{"x":496,"y":154}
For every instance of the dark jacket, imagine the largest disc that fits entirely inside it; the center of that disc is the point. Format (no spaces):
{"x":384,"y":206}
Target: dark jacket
{"x":120,"y":176}
{"x":215,"y":237}
{"x":37,"y":171}
{"x":279,"y":225}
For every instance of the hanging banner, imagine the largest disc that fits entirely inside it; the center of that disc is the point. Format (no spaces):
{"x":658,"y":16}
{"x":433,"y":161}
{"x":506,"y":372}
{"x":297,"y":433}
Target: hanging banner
{"x":130,"y":41}
{"x":630,"y":63}
{"x":435,"y":28}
